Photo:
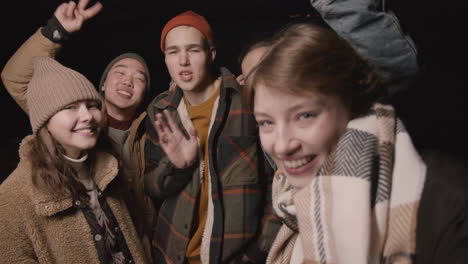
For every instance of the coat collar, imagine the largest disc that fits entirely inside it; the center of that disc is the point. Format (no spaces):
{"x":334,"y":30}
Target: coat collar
{"x":48,"y":204}
{"x":172,"y":99}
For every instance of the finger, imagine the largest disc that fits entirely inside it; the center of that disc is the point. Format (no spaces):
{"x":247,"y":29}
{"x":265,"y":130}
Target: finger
{"x":158,"y":122}
{"x":61,"y":10}
{"x":82,"y":4}
{"x":192,"y":135}
{"x":240,"y":79}
{"x":92,"y":11}
{"x":70,"y":9}
{"x":172,"y":125}
{"x":158,"y":128}
{"x":164,"y":135}
{"x":192,"y":132}
{"x":162,"y":123}
{"x":79,"y":18}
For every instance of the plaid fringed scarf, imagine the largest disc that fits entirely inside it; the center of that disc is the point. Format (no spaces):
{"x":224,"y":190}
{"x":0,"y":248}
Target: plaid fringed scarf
{"x":362,"y":206}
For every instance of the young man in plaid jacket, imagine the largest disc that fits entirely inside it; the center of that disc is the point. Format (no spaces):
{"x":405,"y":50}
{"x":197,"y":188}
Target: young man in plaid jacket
{"x":204,"y":159}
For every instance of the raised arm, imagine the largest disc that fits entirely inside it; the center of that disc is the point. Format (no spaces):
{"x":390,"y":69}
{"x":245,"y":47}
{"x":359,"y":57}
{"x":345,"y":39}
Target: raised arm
{"x":47,"y":41}
{"x":378,"y":37}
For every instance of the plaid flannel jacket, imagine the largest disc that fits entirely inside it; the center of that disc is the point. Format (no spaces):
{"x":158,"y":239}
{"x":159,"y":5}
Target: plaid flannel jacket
{"x":240,"y":185}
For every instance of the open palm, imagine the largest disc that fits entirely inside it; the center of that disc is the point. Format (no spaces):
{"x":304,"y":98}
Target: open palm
{"x":181,"y":151}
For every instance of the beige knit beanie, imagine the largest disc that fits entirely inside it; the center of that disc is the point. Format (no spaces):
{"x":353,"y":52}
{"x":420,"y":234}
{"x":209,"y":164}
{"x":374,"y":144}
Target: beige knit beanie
{"x":52,"y":87}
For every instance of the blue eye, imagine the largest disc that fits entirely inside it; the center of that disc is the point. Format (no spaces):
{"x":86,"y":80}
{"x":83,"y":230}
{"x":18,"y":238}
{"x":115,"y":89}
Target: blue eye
{"x":263,"y":123}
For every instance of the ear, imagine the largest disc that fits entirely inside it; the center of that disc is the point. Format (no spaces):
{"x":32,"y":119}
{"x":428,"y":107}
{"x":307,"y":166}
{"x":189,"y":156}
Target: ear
{"x":213,"y":54}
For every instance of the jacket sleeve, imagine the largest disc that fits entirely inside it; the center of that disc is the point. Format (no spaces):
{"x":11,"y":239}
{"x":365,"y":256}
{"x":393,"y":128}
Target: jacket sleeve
{"x":15,"y":245}
{"x":18,"y":71}
{"x":161,"y":178}
{"x":257,"y":252}
{"x":376,"y":35}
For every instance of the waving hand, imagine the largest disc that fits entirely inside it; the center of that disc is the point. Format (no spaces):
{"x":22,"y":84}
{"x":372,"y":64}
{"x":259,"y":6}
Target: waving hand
{"x":181,"y":151}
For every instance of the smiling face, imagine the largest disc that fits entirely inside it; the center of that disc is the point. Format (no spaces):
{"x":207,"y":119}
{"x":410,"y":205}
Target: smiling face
{"x":76,"y":127}
{"x":298,"y":130}
{"x":125,"y":87}
{"x":188,"y":59}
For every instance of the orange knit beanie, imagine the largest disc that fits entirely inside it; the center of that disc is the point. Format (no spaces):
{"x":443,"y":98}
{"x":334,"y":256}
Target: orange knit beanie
{"x":188,"y":18}
{"x":52,"y":87}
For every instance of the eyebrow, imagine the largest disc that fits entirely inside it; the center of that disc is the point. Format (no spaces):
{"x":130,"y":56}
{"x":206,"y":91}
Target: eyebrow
{"x":125,"y":66}
{"x":194,"y":46}
{"x":294,"y":108}
{"x":189,"y":46}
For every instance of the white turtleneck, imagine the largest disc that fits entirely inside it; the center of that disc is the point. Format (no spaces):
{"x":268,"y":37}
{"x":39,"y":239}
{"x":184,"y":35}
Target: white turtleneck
{"x":88,"y":182}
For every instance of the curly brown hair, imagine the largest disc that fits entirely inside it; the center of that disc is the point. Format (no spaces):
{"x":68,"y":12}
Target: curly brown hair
{"x":306,"y":56}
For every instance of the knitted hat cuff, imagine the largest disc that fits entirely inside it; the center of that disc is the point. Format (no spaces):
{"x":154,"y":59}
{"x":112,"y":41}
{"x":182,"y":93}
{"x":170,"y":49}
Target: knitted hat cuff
{"x":52,"y":87}
{"x":188,"y":18}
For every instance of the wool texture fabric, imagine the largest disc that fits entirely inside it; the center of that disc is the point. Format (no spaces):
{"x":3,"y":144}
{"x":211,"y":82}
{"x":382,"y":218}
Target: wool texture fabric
{"x":128,"y":55}
{"x":52,"y":87}
{"x":188,"y":18}
{"x":362,"y":205}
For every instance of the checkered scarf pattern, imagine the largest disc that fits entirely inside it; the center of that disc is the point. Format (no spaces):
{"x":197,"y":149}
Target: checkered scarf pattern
{"x":362,"y":206}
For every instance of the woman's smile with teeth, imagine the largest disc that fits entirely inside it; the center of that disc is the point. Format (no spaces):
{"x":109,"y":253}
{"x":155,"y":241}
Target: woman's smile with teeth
{"x":84,"y":130}
{"x":294,"y":164}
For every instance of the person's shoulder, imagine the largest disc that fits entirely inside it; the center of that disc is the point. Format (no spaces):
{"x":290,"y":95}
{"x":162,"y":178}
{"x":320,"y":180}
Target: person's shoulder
{"x":14,"y":190}
{"x":228,"y":79}
{"x":20,"y":178}
{"x":164,"y":100}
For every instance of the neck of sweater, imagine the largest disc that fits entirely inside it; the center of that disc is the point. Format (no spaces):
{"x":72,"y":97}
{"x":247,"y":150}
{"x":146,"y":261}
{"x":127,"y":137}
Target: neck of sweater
{"x":80,"y":166}
{"x":119,"y":124}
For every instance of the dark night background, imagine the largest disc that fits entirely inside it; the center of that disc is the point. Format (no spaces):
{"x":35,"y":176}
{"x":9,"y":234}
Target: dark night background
{"x":434,"y":109}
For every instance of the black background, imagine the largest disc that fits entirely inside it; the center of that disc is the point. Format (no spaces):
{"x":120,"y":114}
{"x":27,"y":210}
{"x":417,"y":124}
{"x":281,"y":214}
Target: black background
{"x":434,"y":109}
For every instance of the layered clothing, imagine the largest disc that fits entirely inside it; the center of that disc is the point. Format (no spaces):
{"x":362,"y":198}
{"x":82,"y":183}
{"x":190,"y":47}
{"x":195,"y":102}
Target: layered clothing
{"x":239,"y":216}
{"x":16,"y":76}
{"x":362,"y":205}
{"x":38,"y":226}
